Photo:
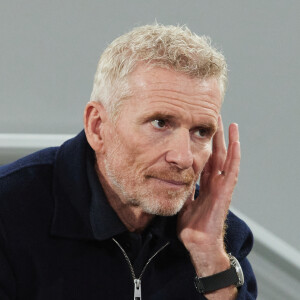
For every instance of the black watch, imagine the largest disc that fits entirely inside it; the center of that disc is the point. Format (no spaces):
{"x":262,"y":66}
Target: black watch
{"x":233,"y":276}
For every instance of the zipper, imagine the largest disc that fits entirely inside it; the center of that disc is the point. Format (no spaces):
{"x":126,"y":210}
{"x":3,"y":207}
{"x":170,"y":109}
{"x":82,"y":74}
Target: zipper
{"x":138,"y":280}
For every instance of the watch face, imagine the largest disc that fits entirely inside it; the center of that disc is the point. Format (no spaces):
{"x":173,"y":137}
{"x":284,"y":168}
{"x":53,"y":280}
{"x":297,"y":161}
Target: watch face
{"x":235,"y":263}
{"x":240,"y":275}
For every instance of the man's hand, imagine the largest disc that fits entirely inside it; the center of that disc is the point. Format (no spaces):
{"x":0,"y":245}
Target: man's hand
{"x":201,"y":223}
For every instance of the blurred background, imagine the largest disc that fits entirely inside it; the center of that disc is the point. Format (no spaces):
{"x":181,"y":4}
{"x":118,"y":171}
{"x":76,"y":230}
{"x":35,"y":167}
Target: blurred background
{"x":48,"y":56}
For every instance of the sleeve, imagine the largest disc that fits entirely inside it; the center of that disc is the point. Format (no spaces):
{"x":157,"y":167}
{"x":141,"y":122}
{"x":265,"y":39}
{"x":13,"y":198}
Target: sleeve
{"x":7,"y":279}
{"x":239,"y":242}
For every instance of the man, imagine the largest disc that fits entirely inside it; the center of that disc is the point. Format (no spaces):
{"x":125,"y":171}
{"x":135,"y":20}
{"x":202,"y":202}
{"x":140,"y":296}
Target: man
{"x":115,"y":213}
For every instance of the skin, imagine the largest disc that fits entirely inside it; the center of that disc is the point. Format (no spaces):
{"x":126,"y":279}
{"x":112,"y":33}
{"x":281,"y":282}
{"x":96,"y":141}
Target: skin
{"x":167,"y":134}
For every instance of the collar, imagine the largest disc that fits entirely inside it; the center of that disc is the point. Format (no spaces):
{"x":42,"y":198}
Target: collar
{"x":104,"y":220}
{"x":71,"y":192}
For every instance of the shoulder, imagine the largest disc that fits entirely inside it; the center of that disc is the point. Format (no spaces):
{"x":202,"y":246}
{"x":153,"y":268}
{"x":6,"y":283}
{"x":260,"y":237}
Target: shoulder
{"x":42,"y":157}
{"x":26,"y":195}
{"x":27,"y":167}
{"x":26,"y":184}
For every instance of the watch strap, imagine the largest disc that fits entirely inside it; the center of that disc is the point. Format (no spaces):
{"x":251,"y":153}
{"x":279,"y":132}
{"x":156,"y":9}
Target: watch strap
{"x":216,"y":281}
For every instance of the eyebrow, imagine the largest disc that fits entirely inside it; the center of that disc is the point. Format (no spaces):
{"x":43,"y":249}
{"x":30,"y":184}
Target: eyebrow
{"x":158,"y":115}
{"x":212,"y":127}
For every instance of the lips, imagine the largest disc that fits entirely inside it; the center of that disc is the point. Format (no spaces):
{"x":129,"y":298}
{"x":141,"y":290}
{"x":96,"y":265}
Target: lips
{"x":171,"y":176}
{"x":175,"y":182}
{"x":172,"y":181}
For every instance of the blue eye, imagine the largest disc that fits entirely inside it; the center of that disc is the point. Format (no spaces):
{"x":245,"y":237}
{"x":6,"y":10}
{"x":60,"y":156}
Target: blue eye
{"x":160,"y":124}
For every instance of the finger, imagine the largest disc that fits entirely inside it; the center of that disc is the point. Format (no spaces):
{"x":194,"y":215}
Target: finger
{"x":219,"y":148}
{"x":232,"y":163}
{"x":233,"y":133}
{"x":233,"y":168}
{"x":206,"y":173}
{"x":233,"y":137}
{"x":208,"y":166}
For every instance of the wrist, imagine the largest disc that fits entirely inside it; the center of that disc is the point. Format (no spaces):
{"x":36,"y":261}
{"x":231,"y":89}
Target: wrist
{"x":222,"y":282}
{"x":209,"y":263}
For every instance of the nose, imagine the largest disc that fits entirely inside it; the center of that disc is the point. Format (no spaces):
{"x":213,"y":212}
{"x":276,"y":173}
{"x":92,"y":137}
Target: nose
{"x":179,"y":153}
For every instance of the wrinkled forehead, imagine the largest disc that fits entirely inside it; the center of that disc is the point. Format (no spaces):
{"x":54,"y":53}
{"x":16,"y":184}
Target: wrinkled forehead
{"x":155,"y":80}
{"x":145,"y":75}
{"x":167,"y":94}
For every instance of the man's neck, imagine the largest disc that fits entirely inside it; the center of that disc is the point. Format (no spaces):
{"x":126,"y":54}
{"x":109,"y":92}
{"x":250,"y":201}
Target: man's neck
{"x":131,"y":216}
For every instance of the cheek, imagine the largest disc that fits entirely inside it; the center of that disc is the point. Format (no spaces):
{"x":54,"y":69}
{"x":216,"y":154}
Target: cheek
{"x":130,"y":152}
{"x":138,"y":142}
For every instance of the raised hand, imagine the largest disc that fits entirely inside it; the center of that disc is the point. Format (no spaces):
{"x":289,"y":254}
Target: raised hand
{"x":201,"y":222}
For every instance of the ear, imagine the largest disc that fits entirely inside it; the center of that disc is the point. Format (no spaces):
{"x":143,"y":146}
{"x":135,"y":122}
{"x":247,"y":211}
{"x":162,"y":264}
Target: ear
{"x":95,"y":117}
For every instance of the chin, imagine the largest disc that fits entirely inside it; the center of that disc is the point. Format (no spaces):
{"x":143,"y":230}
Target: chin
{"x":162,"y":209}
{"x":160,"y":204}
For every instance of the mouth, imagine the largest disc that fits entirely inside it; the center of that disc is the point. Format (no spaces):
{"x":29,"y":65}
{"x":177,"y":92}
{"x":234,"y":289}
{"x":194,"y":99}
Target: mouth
{"x":170,"y":182}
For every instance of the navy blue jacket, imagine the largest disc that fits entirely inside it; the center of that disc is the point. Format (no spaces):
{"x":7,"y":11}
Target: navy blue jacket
{"x":56,"y":237}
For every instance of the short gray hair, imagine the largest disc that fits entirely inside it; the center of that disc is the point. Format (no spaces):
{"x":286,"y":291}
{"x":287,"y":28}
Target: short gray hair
{"x":171,"y":47}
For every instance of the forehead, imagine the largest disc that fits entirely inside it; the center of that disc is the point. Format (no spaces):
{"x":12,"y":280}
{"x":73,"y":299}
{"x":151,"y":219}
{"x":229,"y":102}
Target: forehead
{"x":162,"y":89}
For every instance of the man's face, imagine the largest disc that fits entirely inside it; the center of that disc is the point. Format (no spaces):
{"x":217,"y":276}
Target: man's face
{"x":156,"y":151}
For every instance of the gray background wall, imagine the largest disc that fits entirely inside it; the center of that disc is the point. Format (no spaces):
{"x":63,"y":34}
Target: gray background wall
{"x":48,"y":56}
